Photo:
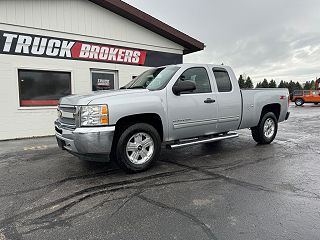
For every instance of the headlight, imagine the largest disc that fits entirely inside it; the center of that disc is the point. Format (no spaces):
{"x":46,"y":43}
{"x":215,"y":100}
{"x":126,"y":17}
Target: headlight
{"x":97,"y":115}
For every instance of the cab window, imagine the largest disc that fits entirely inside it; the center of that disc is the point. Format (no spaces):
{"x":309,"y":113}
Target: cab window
{"x":306,"y":93}
{"x":222,"y":79}
{"x":199,"y":76}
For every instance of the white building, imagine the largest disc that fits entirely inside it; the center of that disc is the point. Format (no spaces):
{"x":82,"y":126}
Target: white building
{"x":52,"y":48}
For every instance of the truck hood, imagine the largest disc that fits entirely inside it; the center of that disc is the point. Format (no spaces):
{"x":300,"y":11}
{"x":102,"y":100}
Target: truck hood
{"x":75,"y":100}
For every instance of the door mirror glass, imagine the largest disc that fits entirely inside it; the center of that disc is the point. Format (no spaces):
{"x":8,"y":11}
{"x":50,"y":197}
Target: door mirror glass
{"x":183,"y":86}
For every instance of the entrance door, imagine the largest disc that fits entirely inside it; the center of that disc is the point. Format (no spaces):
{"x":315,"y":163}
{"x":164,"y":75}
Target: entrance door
{"x":193,"y":114}
{"x":104,"y":80}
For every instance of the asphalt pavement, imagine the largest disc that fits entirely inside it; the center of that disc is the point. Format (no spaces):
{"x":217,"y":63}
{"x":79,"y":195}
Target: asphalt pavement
{"x":234,"y":189}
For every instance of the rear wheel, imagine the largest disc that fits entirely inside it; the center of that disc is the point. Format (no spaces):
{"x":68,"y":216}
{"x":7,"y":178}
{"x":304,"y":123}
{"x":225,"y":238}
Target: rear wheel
{"x":316,"y":103}
{"x":138,"y":147}
{"x":266,"y":130}
{"x":299,"y":102}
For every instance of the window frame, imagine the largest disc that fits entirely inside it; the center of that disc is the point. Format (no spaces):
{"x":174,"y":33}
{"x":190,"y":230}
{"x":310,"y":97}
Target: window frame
{"x":309,"y":93}
{"x":210,"y":83}
{"x":218,"y":69}
{"x":18,"y":94}
{"x":108,"y":71}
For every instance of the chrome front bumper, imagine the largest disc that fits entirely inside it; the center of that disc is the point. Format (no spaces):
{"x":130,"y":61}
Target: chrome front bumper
{"x":84,"y":141}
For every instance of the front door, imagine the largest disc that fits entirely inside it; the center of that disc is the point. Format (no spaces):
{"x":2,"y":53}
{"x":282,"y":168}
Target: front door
{"x":193,"y":114}
{"x":104,"y":80}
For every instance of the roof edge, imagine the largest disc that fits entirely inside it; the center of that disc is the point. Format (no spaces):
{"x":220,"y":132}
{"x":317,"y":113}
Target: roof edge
{"x":145,"y":20}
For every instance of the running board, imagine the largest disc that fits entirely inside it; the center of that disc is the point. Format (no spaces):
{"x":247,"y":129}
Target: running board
{"x":202,"y":140}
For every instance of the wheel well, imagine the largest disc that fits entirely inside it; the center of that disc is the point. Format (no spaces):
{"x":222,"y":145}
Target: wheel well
{"x":275,"y":108}
{"x":150,"y":118}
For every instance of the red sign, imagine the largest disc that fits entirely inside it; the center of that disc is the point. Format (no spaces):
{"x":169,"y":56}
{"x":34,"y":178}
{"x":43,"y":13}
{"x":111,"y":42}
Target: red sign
{"x":107,"y":53}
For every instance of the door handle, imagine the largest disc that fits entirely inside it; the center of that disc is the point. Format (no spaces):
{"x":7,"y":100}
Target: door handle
{"x":209,"y":100}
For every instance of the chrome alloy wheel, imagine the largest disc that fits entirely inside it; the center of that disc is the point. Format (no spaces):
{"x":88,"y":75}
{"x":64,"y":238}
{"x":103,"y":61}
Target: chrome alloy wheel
{"x":140,"y":148}
{"x":269,"y":128}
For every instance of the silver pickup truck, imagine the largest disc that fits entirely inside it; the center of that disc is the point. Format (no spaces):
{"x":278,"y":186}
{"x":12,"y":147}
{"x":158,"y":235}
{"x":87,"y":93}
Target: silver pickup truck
{"x":174,"y":106}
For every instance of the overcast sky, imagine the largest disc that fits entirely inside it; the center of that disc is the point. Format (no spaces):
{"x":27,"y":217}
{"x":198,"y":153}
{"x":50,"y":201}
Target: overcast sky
{"x":277,"y":39}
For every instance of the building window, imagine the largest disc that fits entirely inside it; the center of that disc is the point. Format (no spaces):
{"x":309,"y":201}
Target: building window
{"x":223,"y":80}
{"x":43,"y":88}
{"x":103,"y":80}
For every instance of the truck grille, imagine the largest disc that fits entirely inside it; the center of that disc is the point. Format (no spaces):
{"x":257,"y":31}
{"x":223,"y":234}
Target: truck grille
{"x":68,"y":116}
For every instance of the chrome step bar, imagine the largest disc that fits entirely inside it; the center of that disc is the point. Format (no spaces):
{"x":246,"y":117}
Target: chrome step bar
{"x":203,"y":140}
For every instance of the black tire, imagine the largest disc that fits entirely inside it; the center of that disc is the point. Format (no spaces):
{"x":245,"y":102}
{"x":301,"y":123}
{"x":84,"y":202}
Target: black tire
{"x":316,"y":103}
{"x":258,"y":132}
{"x":299,"y":102}
{"x":123,"y":158}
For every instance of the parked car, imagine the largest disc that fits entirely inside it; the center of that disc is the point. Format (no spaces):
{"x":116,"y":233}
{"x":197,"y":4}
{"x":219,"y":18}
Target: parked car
{"x":175,"y":106}
{"x":301,"y":97}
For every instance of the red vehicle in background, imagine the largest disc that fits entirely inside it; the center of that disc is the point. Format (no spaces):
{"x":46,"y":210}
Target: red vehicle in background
{"x":301,"y":97}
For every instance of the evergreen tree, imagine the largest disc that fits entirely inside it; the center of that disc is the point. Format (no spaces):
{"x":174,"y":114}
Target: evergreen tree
{"x":248,"y":83}
{"x":281,"y":84}
{"x":298,"y":86}
{"x":307,"y":85}
{"x":264,"y":83}
{"x":291,"y":86}
{"x":313,"y":85}
{"x":258,"y":85}
{"x":272,"y":84}
{"x":241,"y":82}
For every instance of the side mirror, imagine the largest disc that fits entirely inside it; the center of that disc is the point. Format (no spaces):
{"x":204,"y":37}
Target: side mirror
{"x":183,"y":86}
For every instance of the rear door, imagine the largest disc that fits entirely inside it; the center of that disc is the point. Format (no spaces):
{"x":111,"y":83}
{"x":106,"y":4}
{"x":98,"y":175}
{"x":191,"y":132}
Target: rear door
{"x":316,"y":96}
{"x":193,"y":114}
{"x":307,"y":96}
{"x":229,"y":99}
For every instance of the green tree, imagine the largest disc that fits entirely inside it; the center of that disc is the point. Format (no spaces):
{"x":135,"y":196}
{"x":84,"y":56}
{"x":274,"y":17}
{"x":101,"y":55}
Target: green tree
{"x":307,"y":85}
{"x":241,"y":82}
{"x":248,"y":83}
{"x":298,"y":86}
{"x":291,"y":86}
{"x":281,"y":84}
{"x":264,"y":83}
{"x":272,"y":84}
{"x":313,"y":85}
{"x":258,"y":85}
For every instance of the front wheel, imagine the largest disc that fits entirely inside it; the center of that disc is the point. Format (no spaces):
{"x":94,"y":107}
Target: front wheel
{"x":299,"y":102}
{"x":138,"y":148}
{"x":266,"y":130}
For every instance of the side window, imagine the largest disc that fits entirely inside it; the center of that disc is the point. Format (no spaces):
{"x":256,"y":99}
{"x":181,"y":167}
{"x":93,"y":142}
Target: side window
{"x":199,"y":76}
{"x":306,"y":93}
{"x":223,"y":80}
{"x":298,"y":93}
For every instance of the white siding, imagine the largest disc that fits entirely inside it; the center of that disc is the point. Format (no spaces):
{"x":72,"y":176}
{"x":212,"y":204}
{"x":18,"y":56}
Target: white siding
{"x":19,"y":122}
{"x":73,"y":19}
{"x":80,"y":17}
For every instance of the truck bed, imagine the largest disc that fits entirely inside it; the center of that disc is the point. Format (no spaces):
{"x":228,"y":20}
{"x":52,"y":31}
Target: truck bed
{"x":253,"y":101}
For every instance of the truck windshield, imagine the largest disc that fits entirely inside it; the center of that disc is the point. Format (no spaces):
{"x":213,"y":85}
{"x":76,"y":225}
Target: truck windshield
{"x":153,"y":79}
